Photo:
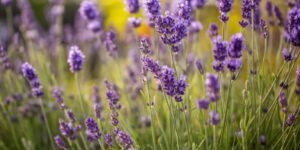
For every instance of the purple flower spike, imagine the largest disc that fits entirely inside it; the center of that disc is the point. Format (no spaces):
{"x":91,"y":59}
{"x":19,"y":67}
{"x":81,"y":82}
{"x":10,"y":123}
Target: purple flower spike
{"x":168,"y":80}
{"x":124,"y":140}
{"x":88,"y":10}
{"x":152,"y":7}
{"x":220,"y":48}
{"x":108,"y":139}
{"x":224,"y":5}
{"x":279,"y":16}
{"x":92,"y":132}
{"x":184,"y":10}
{"x":75,"y":59}
{"x":212,"y":87}
{"x":213,"y":30}
{"x":60,"y":142}
{"x":152,"y":66}
{"x":6,"y":2}
{"x":291,"y":119}
{"x":263,"y":140}
{"x":199,"y":3}
{"x":234,"y":64}
{"x":200,"y":66}
{"x":283,"y":101}
{"x":30,"y":74}
{"x":203,"y":104}
{"x":214,"y":118}
{"x":287,"y":55}
{"x":132,"y":6}
{"x":236,"y":46}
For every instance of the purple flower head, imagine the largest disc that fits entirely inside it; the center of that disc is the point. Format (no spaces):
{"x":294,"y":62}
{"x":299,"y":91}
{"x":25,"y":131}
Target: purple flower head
{"x":168,"y":80}
{"x":152,"y":66}
{"x":279,"y":16}
{"x":58,"y":95}
{"x":244,"y":23}
{"x":292,"y":30}
{"x":6,"y":2}
{"x":200,"y":66}
{"x":214,"y":118}
{"x":246,"y":9}
{"x":92,"y":132}
{"x":164,"y":24}
{"x":88,"y":10}
{"x":180,"y":89}
{"x":234,"y":64}
{"x":236,"y":46}
{"x":218,"y":66}
{"x":269,"y":8}
{"x":145,"y":45}
{"x":283,"y":101}
{"x":224,"y":5}
{"x":152,"y":7}
{"x":263,"y":140}
{"x":177,"y":47}
{"x":199,"y":3}
{"x":108,"y":139}
{"x":132,"y":6}
{"x":287,"y":55}
{"x":203,"y":104}
{"x":112,"y":94}
{"x":67,"y":130}
{"x":30,"y":74}
{"x":60,"y":142}
{"x":95,"y":25}
{"x":224,"y":17}
{"x":111,"y":42}
{"x":220,"y":48}
{"x":70,"y":115}
{"x":98,"y":109}
{"x":4,"y":59}
{"x":124,"y":139}
{"x":195,"y":27}
{"x":291,"y":119}
{"x":176,"y":34}
{"x":135,"y":22}
{"x":212,"y":87}
{"x":28,"y":71}
{"x":75,"y":59}
{"x":213,"y":30}
{"x":184,"y":10}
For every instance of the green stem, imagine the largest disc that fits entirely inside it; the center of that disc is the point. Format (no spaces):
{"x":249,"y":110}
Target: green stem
{"x":80,"y":95}
{"x":47,"y":124}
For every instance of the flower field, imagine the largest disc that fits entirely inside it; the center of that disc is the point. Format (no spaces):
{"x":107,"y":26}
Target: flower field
{"x":149,"y":74}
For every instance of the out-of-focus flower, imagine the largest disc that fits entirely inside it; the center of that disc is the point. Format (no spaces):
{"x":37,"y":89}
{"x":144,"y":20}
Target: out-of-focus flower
{"x":212,"y":87}
{"x":132,"y":6}
{"x":213,"y":30}
{"x":214,"y":118}
{"x":123,"y":139}
{"x":92,"y":132}
{"x":60,"y":142}
{"x":203,"y":104}
{"x":75,"y":59}
{"x":30,"y":74}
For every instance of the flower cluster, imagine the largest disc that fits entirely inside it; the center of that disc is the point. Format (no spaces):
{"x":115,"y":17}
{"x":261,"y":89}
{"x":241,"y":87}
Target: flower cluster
{"x":220,"y":53}
{"x":113,"y":96}
{"x":132,"y":6}
{"x":224,"y":7}
{"x":123,"y":139}
{"x":111,"y":42}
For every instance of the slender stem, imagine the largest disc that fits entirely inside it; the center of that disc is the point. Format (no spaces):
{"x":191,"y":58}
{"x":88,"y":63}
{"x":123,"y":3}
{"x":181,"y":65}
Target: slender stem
{"x":83,"y":140}
{"x":80,"y":95}
{"x":47,"y":124}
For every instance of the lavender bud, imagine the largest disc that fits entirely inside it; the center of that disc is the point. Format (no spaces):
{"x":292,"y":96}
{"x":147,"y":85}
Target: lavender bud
{"x":291,"y":119}
{"x":236,"y":46}
{"x":203,"y":104}
{"x":214,"y":118}
{"x":213,"y":30}
{"x":287,"y":55}
{"x":199,"y":3}
{"x":60,"y":142}
{"x":224,"y":5}
{"x":145,"y":45}
{"x":58,"y":95}
{"x":283,"y":101}
{"x":200,"y":66}
{"x":124,"y":140}
{"x":220,"y":48}
{"x":132,"y":6}
{"x":212,"y":87}
{"x":75,"y":59}
{"x":152,"y":7}
{"x":263,"y":140}
{"x":234,"y":64}
{"x":108,"y":139}
{"x":88,"y":10}
{"x":135,"y":22}
{"x":279,"y":16}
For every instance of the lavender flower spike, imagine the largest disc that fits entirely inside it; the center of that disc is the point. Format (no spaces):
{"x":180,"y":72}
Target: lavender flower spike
{"x":30,"y":74}
{"x":152,"y":7}
{"x":214,"y":118}
{"x":88,"y":10}
{"x":92,"y":132}
{"x":236,"y":46}
{"x":203,"y":104}
{"x":212,"y":87}
{"x":224,"y":5}
{"x":124,"y":139}
{"x":60,"y":142}
{"x":75,"y":59}
{"x":132,"y":6}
